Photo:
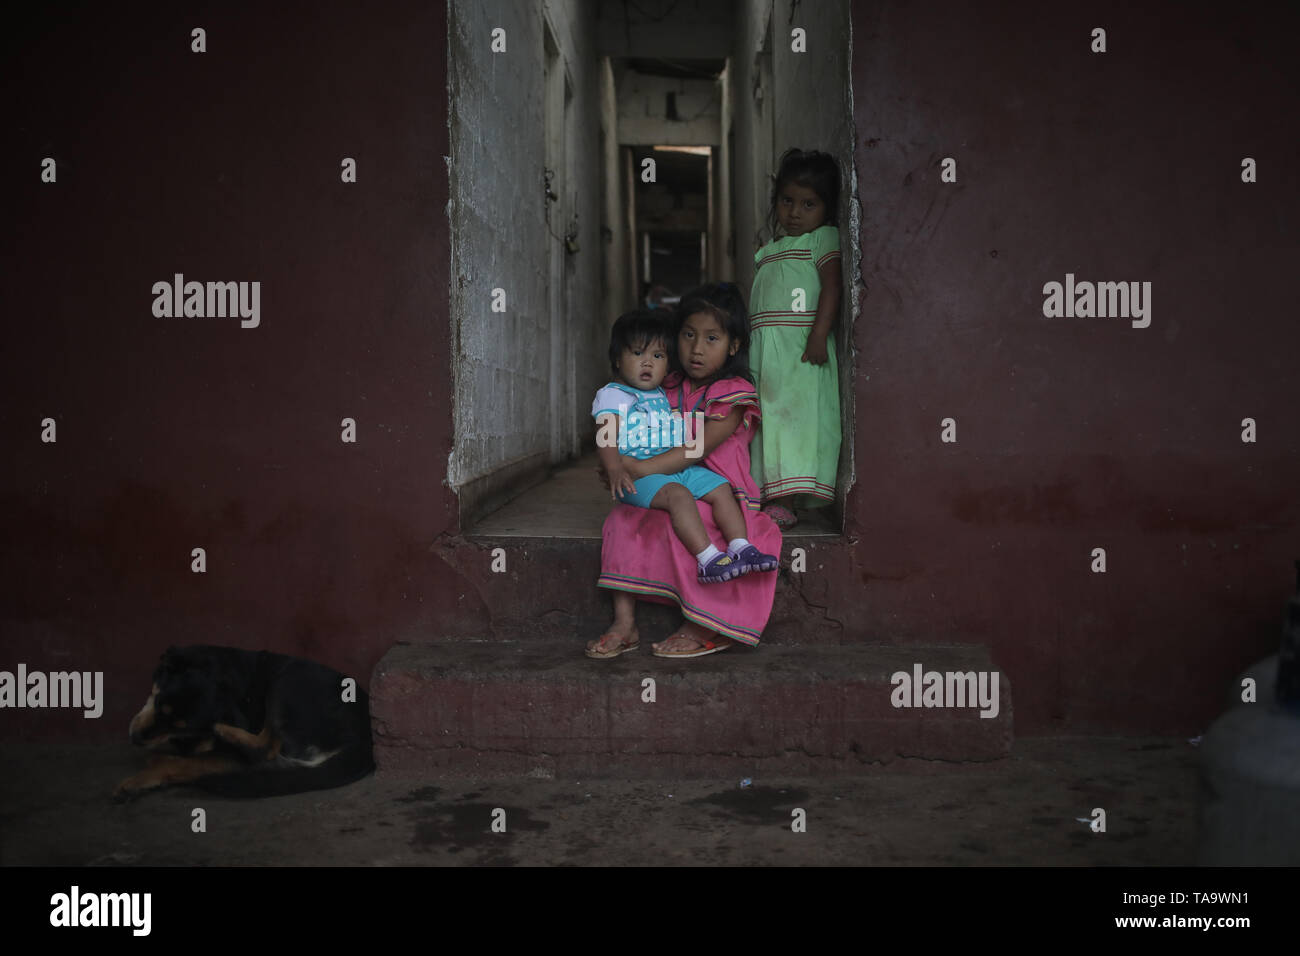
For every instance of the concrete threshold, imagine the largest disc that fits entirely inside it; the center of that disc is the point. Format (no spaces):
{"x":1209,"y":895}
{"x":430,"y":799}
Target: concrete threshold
{"x":542,"y":709}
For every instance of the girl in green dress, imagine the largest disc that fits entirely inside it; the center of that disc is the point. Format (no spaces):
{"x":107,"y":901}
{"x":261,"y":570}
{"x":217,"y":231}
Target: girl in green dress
{"x":794,"y":304}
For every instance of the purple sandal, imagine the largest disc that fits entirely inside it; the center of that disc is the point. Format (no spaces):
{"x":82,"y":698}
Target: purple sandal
{"x":751,"y":559}
{"x":724,"y":567}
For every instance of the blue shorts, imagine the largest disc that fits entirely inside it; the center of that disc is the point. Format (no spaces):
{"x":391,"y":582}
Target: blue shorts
{"x":699,"y":481}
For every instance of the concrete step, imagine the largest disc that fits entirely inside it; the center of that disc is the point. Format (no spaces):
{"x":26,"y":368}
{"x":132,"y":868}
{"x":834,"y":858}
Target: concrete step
{"x":547,"y":591}
{"x":541,"y":708}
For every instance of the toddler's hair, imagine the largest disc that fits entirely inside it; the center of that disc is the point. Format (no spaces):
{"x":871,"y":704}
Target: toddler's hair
{"x":722,"y":300}
{"x":812,"y":170}
{"x":639,"y":328}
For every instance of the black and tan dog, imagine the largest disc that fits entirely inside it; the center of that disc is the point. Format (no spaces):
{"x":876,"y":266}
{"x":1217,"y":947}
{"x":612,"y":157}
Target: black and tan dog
{"x":250,"y":724}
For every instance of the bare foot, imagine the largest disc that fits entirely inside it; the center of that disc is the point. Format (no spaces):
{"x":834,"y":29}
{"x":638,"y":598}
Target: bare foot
{"x":619,"y":638}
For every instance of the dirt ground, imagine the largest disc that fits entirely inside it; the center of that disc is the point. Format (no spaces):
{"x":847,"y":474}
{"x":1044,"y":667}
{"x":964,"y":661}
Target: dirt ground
{"x":55,"y":809}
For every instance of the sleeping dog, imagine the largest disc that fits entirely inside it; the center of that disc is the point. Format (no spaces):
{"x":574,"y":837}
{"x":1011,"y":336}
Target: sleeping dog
{"x":249,"y":723}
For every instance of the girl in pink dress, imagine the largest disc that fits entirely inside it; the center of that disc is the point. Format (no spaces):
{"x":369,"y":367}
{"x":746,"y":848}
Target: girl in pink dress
{"x":641,"y":557}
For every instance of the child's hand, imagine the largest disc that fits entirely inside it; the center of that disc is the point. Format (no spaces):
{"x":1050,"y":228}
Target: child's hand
{"x":628,"y":467}
{"x":620,"y":481}
{"x":815,"y":350}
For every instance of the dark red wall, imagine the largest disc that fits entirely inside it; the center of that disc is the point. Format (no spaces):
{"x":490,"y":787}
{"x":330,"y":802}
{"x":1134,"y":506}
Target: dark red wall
{"x":1073,"y":433}
{"x":1079,"y":433}
{"x":186,"y":432}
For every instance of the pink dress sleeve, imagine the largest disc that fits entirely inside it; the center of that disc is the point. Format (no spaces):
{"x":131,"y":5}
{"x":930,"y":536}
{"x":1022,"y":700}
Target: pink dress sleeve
{"x":726,"y":395}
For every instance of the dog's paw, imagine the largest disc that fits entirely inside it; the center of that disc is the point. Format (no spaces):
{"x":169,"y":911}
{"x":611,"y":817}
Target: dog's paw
{"x":121,"y":795}
{"x":132,"y":787}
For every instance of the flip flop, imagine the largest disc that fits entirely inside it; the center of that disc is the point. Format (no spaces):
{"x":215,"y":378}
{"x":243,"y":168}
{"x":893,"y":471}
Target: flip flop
{"x":710,"y":647}
{"x":611,"y":652}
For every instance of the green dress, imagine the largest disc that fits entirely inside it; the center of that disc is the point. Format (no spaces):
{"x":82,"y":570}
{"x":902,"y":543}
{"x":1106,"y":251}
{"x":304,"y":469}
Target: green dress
{"x":797,"y":448}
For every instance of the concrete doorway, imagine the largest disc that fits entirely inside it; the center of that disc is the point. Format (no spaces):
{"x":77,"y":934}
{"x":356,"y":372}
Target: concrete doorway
{"x":552,"y":126}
